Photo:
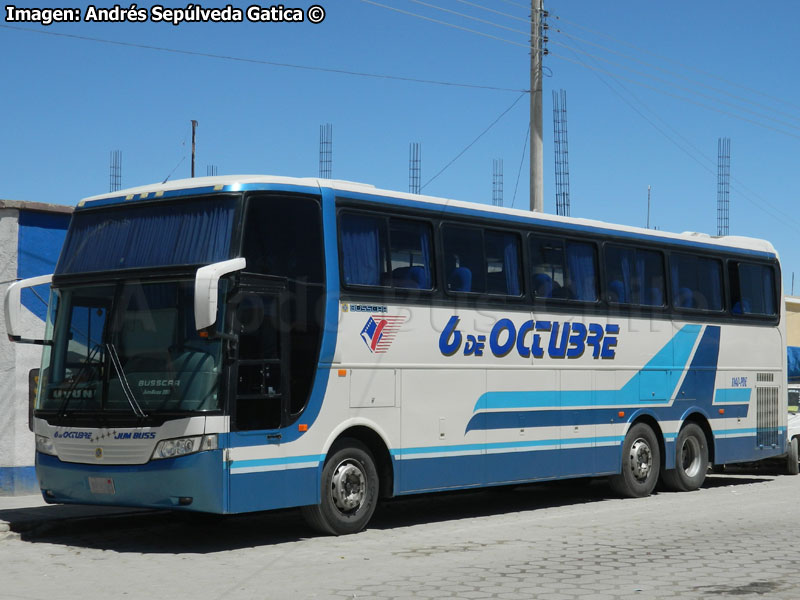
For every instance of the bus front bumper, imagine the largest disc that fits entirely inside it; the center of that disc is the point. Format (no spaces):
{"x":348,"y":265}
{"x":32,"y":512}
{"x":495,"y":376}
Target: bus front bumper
{"x":194,"y":482}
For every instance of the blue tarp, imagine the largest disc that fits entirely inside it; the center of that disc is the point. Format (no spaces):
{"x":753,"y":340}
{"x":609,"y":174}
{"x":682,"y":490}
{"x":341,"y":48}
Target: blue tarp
{"x":793,"y":354}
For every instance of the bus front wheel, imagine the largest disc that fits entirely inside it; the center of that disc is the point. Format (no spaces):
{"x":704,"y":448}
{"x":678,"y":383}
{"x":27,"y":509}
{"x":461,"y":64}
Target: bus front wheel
{"x":641,"y":462}
{"x":691,"y":460}
{"x":349,"y":490}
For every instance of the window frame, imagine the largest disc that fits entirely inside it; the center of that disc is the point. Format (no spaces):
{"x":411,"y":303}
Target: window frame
{"x":735,"y":263}
{"x":564,"y":239}
{"x":666,"y":292}
{"x":483,"y":229}
{"x":388,"y":290}
{"x":724,"y":285}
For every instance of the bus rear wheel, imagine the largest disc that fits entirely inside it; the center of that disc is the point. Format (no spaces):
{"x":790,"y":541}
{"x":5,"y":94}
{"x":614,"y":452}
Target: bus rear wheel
{"x":349,"y":490}
{"x":691,"y":460}
{"x":641,"y":463}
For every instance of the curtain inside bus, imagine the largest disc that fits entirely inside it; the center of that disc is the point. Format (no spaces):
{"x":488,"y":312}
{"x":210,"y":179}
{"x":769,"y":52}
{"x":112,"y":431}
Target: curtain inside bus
{"x":151,"y":235}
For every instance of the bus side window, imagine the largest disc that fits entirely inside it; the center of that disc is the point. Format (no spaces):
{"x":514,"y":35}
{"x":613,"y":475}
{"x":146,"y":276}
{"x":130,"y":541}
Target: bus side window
{"x":696,"y":282}
{"x":563,"y":269}
{"x":634,"y":276}
{"x":752,"y":289}
{"x":464,"y":268}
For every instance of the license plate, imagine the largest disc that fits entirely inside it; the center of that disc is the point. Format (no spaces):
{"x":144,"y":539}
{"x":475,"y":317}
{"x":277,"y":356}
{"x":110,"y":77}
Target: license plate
{"x":101,"y":485}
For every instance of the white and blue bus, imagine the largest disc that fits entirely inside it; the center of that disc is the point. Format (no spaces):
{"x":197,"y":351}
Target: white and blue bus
{"x":247,"y":343}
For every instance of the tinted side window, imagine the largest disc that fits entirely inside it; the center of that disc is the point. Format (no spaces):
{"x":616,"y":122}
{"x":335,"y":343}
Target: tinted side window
{"x":464,"y":269}
{"x":410,"y":248}
{"x":634,"y":276}
{"x":696,"y":282}
{"x":388,"y":252}
{"x":283,"y":237}
{"x":502,"y":263}
{"x":752,"y":289}
{"x":563,"y":269}
{"x":364,"y":249}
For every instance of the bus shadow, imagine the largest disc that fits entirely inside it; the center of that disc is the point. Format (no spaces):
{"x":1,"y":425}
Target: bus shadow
{"x":166,"y":532}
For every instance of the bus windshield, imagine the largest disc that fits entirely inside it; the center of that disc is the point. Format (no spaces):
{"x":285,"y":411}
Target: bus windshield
{"x":129,"y":347}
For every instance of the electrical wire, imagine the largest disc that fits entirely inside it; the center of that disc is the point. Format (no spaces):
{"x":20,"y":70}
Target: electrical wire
{"x":676,"y":96}
{"x":258,"y":61}
{"x":676,"y":62}
{"x":470,"y":17}
{"x":521,"y":162}
{"x":763,"y":205}
{"x":497,"y":12}
{"x":667,"y":71}
{"x":519,"y":4}
{"x":446,"y":24}
{"x":472,"y":143}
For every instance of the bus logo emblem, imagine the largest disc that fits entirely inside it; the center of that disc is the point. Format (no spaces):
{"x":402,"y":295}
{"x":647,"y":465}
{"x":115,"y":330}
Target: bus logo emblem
{"x":379,"y":332}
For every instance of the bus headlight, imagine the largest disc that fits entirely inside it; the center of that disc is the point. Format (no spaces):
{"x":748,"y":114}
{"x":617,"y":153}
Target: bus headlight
{"x":185,"y":445}
{"x":45,"y":445}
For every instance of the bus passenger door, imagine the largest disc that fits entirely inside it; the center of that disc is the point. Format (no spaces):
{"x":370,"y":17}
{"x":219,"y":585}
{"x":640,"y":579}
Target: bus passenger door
{"x":258,"y":395}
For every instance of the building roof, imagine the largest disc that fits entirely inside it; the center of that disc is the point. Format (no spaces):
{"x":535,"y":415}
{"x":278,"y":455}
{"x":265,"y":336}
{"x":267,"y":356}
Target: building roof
{"x":36,"y":206}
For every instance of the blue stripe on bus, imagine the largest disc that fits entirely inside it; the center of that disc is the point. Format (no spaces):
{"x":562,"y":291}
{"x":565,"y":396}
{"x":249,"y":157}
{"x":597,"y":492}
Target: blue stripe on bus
{"x":435,"y":473}
{"x":670,"y":360}
{"x":271,"y":462}
{"x":737,"y":395}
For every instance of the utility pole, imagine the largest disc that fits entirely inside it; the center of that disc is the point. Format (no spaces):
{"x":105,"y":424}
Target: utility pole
{"x":648,"y":207}
{"x":194,"y":129}
{"x":537,"y":158}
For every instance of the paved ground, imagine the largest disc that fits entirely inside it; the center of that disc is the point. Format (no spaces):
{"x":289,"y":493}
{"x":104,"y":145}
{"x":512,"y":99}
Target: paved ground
{"x":735,"y":538}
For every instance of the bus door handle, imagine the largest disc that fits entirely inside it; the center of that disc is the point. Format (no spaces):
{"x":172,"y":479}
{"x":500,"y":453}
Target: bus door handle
{"x":274,"y":437}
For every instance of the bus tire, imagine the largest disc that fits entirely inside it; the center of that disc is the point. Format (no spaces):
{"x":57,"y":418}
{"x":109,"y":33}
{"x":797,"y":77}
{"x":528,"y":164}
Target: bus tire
{"x":691,"y":460}
{"x":349,"y":489}
{"x":641,"y":463}
{"x":792,"y":466}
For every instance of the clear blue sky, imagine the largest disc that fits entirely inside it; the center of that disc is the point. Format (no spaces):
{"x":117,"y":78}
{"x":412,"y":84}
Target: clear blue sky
{"x":651,"y":86}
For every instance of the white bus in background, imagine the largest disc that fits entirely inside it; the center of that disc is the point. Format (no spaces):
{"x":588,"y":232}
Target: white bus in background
{"x":245,"y":343}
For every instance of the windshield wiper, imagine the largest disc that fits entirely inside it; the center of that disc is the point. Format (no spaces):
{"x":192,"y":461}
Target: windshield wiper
{"x":70,"y":393}
{"x":123,"y":381}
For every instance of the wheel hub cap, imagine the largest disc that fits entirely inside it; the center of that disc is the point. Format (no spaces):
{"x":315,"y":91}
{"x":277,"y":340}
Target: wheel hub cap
{"x":690,"y":457}
{"x":348,"y":487}
{"x":641,"y":459}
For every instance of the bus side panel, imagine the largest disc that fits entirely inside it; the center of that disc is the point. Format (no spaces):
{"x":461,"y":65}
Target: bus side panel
{"x":282,"y":488}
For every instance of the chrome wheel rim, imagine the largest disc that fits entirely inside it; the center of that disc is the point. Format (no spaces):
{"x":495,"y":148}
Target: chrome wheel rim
{"x":690,"y":456}
{"x":641,"y":460}
{"x":348,"y":486}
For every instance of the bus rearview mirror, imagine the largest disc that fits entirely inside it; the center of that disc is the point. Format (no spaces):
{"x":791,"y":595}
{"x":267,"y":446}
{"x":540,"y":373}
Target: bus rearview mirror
{"x":206,"y":290}
{"x":13,"y":307}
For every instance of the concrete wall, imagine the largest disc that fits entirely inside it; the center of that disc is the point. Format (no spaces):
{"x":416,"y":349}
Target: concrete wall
{"x":31,"y":235}
{"x":792,"y":321}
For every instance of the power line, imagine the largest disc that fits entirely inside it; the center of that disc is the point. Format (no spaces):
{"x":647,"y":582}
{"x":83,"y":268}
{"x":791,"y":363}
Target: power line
{"x":470,"y":17}
{"x":676,"y":96}
{"x":527,"y":6}
{"x":446,"y":24}
{"x":668,"y":72}
{"x":497,"y":12}
{"x":521,"y":162}
{"x":676,"y":62}
{"x":259,"y":61}
{"x":472,"y":143}
{"x":763,"y":205}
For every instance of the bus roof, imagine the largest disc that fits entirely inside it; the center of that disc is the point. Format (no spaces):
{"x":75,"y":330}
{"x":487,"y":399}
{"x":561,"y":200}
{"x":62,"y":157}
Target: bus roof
{"x":230,"y":183}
